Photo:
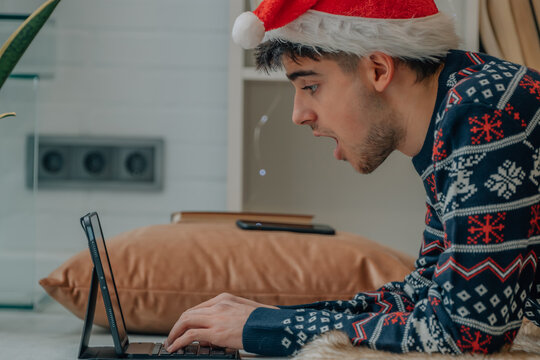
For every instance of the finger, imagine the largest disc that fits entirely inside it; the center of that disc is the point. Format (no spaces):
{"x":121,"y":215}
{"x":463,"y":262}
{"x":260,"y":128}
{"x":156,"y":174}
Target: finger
{"x":186,"y":321}
{"x":201,"y":343}
{"x":191,"y":335}
{"x":189,"y":319}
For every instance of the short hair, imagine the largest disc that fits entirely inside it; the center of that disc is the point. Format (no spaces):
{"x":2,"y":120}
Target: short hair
{"x":269,"y":57}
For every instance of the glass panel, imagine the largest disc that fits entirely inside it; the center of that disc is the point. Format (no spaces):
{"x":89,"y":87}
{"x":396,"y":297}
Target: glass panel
{"x":17,"y":208}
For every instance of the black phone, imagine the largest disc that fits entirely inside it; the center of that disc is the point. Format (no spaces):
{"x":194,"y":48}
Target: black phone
{"x":277,"y":226}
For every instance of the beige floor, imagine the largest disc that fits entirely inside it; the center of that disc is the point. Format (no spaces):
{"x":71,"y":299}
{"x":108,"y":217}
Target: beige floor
{"x":50,"y":333}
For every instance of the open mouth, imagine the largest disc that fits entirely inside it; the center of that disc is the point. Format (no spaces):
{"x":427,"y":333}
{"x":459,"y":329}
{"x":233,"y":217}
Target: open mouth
{"x":337,"y":151}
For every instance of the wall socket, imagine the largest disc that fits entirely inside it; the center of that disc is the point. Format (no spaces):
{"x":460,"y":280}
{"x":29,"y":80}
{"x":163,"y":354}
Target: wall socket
{"x":67,"y":162}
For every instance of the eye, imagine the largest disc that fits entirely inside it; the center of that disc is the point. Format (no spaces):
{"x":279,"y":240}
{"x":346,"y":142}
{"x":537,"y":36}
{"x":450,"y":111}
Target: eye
{"x":311,"y":88}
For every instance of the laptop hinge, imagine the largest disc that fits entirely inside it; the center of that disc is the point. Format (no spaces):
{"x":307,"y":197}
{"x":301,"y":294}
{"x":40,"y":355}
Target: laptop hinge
{"x":86,"y":352}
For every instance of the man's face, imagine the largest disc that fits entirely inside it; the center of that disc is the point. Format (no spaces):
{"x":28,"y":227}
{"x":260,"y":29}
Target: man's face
{"x":342,"y":105}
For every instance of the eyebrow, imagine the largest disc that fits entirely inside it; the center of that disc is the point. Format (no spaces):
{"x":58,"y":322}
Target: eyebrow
{"x":295,"y":75}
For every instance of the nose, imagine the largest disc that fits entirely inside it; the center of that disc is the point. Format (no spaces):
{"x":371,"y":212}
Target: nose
{"x":302,"y":113}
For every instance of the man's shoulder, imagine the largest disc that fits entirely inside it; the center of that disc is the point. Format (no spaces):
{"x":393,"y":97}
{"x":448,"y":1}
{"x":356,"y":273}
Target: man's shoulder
{"x":480,"y":79}
{"x":490,"y":102}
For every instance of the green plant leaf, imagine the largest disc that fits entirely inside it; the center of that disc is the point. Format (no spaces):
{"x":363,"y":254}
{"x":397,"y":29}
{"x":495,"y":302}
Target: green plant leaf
{"x":7,"y":114}
{"x":18,"y":42}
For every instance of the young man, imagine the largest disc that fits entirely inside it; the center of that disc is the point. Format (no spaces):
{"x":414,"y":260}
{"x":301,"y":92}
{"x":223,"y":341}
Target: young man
{"x":379,"y":76}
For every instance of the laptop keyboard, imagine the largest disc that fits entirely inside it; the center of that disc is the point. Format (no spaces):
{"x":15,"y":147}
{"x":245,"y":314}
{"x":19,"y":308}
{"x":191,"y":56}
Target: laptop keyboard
{"x":196,"y":350}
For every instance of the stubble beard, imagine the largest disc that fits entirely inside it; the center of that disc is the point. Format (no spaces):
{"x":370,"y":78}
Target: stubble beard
{"x":382,"y":139}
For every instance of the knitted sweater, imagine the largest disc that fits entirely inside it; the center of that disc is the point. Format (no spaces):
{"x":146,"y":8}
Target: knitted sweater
{"x":476,"y":276}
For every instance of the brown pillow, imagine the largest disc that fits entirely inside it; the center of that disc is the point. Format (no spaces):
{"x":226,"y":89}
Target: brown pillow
{"x":162,"y":270}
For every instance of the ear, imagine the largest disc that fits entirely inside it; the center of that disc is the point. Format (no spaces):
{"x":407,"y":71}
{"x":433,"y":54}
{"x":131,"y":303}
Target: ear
{"x":380,"y":70}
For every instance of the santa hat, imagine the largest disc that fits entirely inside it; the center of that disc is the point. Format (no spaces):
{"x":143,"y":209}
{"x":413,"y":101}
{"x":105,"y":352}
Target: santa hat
{"x":411,"y":29}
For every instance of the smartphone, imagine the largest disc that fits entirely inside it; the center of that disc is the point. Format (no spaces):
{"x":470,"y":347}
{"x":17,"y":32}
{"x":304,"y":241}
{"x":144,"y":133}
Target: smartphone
{"x":276,"y":226}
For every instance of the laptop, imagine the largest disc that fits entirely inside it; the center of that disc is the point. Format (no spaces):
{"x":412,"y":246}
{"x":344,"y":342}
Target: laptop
{"x":123,"y":348}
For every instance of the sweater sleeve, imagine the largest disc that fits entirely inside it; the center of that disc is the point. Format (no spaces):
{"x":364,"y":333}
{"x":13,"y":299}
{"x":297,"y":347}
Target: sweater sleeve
{"x":283,"y":331}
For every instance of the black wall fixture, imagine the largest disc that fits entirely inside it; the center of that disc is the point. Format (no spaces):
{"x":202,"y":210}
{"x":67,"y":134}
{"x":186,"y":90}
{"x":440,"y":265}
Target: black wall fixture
{"x":65,"y":162}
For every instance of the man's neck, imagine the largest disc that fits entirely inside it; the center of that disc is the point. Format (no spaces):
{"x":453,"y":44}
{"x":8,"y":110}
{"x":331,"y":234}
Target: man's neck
{"x":415,"y":104}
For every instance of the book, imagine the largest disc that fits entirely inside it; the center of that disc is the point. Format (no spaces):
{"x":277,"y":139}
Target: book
{"x":229,"y":216}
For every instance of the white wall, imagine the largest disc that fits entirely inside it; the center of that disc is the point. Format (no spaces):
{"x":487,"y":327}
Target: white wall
{"x":135,"y":68}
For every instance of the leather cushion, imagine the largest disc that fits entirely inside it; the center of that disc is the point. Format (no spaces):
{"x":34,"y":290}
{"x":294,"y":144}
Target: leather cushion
{"x":162,"y":270}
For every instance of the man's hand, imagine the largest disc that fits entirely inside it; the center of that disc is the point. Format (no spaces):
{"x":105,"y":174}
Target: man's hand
{"x":218,"y":321}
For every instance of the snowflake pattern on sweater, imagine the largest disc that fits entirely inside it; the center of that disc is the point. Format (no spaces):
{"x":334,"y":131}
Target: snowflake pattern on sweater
{"x":476,"y":276}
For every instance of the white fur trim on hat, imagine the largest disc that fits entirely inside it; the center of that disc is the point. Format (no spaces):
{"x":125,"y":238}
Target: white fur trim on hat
{"x":418,"y":38}
{"x":248,"y":30}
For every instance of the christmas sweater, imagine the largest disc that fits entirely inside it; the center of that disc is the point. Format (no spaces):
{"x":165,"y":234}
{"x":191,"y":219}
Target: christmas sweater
{"x":476,"y":276}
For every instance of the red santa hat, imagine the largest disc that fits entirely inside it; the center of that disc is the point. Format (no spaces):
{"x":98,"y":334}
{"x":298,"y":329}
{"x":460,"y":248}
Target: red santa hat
{"x":413,"y":29}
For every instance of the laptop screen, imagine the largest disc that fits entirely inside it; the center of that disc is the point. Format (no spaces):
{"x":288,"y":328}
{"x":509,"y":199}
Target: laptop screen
{"x":117,"y":319}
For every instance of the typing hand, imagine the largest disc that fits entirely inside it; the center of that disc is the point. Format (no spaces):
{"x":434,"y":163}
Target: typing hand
{"x":218,"y":321}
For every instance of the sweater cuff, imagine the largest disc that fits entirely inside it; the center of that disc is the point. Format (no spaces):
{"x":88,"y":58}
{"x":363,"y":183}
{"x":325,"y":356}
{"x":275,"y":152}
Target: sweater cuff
{"x":265,"y":334}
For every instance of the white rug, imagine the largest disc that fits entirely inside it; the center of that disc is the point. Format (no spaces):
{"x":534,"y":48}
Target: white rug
{"x":336,"y":345}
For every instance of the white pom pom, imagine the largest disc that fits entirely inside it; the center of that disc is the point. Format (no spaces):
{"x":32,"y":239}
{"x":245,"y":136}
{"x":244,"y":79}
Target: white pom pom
{"x":248,"y":30}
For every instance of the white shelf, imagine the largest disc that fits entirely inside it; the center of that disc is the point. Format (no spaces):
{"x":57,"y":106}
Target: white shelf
{"x":235,"y":122}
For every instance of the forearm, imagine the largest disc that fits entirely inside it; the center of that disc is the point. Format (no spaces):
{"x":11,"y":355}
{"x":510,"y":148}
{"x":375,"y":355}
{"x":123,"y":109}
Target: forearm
{"x":282,"y":332}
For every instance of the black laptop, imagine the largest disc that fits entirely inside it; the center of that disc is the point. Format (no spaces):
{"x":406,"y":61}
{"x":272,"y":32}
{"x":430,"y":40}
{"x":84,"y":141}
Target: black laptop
{"x":123,"y":349}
